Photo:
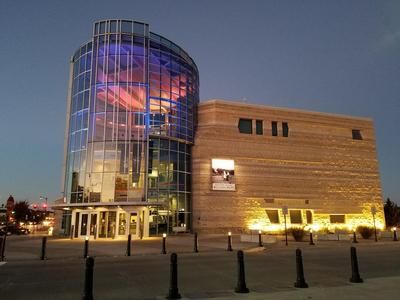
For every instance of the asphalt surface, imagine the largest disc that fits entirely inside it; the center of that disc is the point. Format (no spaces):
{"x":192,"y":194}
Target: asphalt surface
{"x":211,"y":273}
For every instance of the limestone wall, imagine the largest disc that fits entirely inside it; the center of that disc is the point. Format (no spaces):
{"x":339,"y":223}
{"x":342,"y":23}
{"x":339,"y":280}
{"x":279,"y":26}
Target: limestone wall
{"x":318,"y":167}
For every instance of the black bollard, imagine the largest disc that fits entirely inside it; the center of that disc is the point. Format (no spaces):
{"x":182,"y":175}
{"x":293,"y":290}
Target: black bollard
{"x":395,"y":235}
{"x":260,"y":243}
{"x":163,"y":250}
{"x":196,"y":243}
{"x":355,"y":274}
{"x":173,"y":292}
{"x":354,"y":237}
{"x":3,"y":247}
{"x":86,"y":248}
{"x":311,"y":239}
{"x":43,"y":251}
{"x":300,"y":281}
{"x":229,"y":242}
{"x":241,"y":284}
{"x":128,"y":245}
{"x":88,"y":286}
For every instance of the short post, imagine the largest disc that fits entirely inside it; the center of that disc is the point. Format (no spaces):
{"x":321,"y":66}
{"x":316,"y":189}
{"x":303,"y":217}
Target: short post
{"x":71,"y":236}
{"x":300,"y":281}
{"x":260,"y":243}
{"x":86,"y":247}
{"x":128,"y":245}
{"x":3,"y":247}
{"x":88,"y":285}
{"x":173,"y":292}
{"x":395,"y":234}
{"x":311,"y":238}
{"x":229,"y":242}
{"x":196,"y":243}
{"x":43,"y":251}
{"x":354,"y":236}
{"x":355,"y":274}
{"x":163,"y":250}
{"x":241,"y":284}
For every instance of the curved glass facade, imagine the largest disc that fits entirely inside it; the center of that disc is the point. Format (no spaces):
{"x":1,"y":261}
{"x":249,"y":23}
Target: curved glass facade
{"x":132,"y":118}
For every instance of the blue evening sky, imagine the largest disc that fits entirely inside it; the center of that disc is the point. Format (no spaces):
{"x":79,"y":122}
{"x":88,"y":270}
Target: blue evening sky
{"x":330,"y":56}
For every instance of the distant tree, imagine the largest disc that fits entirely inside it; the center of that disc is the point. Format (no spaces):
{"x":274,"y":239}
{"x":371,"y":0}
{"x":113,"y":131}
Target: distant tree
{"x":391,"y":213}
{"x":22,"y":212}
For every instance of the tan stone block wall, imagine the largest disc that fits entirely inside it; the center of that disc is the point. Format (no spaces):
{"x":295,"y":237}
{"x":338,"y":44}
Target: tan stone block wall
{"x":319,"y":167}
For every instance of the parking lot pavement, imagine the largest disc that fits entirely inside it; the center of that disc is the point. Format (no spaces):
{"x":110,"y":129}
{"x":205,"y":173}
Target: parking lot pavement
{"x":28,"y":247}
{"x":210,"y":274}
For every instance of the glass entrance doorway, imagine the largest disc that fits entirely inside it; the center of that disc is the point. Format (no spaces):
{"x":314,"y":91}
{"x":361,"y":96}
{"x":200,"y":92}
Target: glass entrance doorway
{"x":86,"y":224}
{"x":107,"y":226}
{"x":112,"y":224}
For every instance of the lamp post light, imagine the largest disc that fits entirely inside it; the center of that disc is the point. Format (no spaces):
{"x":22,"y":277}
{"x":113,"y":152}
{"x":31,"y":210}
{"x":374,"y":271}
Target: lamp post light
{"x":229,"y":241}
{"x":45,"y":199}
{"x":164,"y":251}
{"x":394,"y":234}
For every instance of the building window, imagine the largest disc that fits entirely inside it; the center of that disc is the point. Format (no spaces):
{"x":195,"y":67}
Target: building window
{"x":274,"y":125}
{"x":295,"y":217}
{"x":356,"y":133}
{"x":259,"y":127}
{"x":273,"y":216}
{"x":285,"y":129}
{"x":337,"y":219}
{"x":245,"y":126}
{"x":309,"y":217}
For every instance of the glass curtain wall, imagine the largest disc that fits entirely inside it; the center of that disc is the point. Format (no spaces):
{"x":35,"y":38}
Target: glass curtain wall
{"x":132,"y":122}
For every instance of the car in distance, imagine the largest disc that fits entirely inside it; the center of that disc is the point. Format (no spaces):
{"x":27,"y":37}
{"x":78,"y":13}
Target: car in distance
{"x":13,"y":229}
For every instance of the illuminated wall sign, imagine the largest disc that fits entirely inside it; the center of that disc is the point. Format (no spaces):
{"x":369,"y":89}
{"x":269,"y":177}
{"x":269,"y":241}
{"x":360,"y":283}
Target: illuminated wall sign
{"x":223,"y":175}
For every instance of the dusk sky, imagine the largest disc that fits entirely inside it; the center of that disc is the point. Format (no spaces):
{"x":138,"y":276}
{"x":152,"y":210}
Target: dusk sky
{"x":329,"y":56}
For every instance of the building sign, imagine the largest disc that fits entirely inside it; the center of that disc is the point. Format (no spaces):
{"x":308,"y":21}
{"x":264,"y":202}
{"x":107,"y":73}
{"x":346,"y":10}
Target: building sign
{"x":223,"y":175}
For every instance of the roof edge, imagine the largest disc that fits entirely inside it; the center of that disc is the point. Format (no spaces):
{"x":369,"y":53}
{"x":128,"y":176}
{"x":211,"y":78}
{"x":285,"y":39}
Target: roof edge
{"x":286,"y":109}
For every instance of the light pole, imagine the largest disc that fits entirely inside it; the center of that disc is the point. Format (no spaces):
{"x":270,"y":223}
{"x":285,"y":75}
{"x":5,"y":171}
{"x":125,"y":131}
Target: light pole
{"x":285,"y":211}
{"x":373,"y":211}
{"x":44,"y":198}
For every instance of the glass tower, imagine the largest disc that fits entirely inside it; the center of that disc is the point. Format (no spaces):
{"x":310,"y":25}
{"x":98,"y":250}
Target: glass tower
{"x":130,"y":126}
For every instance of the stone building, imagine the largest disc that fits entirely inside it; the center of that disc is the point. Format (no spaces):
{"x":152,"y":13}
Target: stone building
{"x":253,"y":163}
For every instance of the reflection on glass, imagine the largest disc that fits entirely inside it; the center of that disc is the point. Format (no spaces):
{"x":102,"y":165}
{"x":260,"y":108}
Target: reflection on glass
{"x":122,"y":224}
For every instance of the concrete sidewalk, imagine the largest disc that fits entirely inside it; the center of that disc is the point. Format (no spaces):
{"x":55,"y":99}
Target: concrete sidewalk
{"x":374,"y":288}
{"x":210,"y":274}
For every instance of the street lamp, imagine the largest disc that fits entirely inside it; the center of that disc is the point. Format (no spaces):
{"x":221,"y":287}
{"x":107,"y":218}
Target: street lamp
{"x":45,"y":205}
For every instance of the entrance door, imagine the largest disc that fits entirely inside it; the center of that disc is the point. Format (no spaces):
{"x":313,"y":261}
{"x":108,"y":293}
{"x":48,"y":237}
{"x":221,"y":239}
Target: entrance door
{"x":93,"y":224}
{"x":87,"y":224}
{"x":133,"y":223}
{"x":83,"y":223}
